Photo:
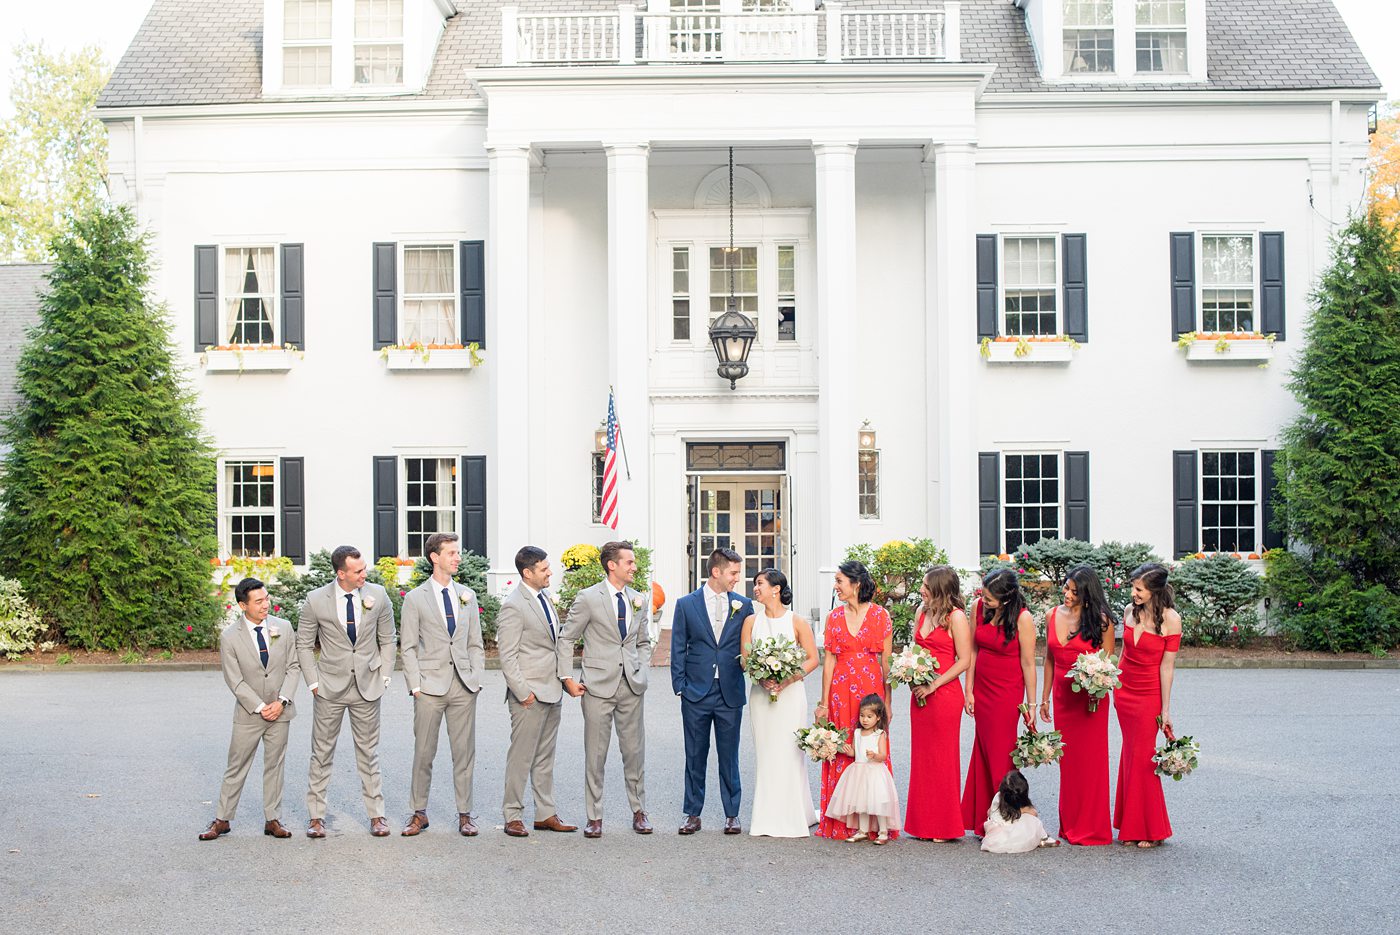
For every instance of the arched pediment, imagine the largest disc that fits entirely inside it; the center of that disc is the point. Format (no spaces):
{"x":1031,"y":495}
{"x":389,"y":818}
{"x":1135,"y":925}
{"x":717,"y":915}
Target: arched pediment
{"x":750,"y":191}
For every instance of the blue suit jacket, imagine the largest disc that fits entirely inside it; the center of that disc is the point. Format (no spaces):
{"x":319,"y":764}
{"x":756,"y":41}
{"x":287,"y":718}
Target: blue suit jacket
{"x":694,"y":653}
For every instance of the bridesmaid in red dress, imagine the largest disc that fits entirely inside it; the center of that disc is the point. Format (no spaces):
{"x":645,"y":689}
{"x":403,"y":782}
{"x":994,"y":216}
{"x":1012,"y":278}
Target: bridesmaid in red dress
{"x":1000,"y":676}
{"x":1080,"y":625}
{"x":941,"y":627}
{"x":1151,"y":638}
{"x":857,"y":663}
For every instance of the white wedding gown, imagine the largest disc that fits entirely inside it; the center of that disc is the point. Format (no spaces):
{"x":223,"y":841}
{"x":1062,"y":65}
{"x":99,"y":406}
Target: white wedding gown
{"x":782,"y":793}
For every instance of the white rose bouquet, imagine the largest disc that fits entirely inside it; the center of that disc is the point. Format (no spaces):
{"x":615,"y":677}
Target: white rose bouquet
{"x":1177,"y":757}
{"x":773,"y":660}
{"x":1095,"y":674}
{"x":913,"y":665}
{"x":822,"y":741}
{"x":1037,"y":748}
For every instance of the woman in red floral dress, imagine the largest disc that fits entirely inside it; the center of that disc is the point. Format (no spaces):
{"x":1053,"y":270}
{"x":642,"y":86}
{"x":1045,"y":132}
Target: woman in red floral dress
{"x":858,"y":644}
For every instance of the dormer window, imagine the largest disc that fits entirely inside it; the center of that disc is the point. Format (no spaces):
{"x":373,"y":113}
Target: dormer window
{"x":1088,"y":36}
{"x":379,"y":42}
{"x":306,"y":36}
{"x":1161,"y":37}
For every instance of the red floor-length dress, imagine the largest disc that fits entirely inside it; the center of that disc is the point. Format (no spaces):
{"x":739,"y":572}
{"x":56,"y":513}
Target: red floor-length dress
{"x":1084,"y":765}
{"x":998,"y":686}
{"x":857,"y":674}
{"x":934,"y":757}
{"x":1139,"y":808}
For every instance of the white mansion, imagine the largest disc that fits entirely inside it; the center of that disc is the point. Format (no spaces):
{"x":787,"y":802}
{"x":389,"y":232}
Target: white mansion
{"x":410,"y":245}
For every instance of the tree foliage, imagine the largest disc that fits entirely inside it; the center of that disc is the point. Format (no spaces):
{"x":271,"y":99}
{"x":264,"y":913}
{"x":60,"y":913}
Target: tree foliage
{"x":108,"y":515}
{"x":1384,"y":191}
{"x":53,"y":152}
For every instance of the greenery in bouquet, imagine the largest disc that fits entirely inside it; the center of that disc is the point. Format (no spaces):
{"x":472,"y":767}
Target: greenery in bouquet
{"x":1035,"y":747}
{"x":1095,"y":674}
{"x":913,"y":666}
{"x":822,"y":741}
{"x":773,"y":659}
{"x":1177,"y":757}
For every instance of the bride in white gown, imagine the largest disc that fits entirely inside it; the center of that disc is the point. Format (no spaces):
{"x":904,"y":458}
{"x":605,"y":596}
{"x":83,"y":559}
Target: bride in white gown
{"x":782,"y":792}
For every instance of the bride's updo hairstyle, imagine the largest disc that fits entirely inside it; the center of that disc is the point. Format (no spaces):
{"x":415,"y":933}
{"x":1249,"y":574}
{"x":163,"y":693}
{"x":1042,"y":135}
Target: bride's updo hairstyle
{"x":778,"y":581}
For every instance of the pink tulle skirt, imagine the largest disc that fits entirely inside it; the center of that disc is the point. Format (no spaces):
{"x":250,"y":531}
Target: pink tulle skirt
{"x":865,"y":789}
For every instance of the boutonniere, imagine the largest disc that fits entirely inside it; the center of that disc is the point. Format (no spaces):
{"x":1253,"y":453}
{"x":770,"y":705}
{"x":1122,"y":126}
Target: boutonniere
{"x":367,"y":602}
{"x":734,"y":606}
{"x":637,"y":604}
{"x":462,"y":598}
{"x":274,"y":632}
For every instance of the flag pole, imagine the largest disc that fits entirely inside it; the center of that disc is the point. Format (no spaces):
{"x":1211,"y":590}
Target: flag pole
{"x":621,"y":440}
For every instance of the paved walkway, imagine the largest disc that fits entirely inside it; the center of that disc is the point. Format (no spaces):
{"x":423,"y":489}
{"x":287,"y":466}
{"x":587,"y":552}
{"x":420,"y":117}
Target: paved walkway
{"x":1290,"y":825}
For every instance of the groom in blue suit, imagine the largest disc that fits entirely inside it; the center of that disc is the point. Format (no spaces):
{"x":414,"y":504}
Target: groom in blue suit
{"x":706,"y":673}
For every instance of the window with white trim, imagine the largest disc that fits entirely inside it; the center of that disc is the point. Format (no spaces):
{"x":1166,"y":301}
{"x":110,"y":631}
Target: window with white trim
{"x":250,"y":295}
{"x":1088,"y":36}
{"x":1227,"y":282}
{"x":868,"y":480}
{"x":429,"y":500}
{"x":787,"y":292}
{"x":1229,"y":501}
{"x":379,"y":42}
{"x":430,"y":294}
{"x":248,"y":507}
{"x":1031,"y":498}
{"x":1029,"y":285}
{"x":680,"y":293}
{"x":306,"y":43}
{"x":1161,"y":36}
{"x":599,"y":460}
{"x":743,"y":263}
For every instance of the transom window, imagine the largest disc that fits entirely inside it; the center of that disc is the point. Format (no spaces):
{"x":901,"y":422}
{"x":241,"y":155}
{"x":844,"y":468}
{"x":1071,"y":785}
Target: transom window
{"x":430,"y":294}
{"x":1030,"y":286}
{"x":1229,"y":500}
{"x":680,"y":293}
{"x":306,"y":36}
{"x":430,"y":500}
{"x":248,"y":508}
{"x":743,"y":262}
{"x":379,"y":42}
{"x":1227,"y":282}
{"x":1031,"y":505}
{"x":250,"y":294}
{"x":1161,"y":36}
{"x":1088,"y":36}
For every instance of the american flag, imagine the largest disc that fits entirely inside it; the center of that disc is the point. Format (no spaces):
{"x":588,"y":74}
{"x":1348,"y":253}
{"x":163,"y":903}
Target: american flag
{"x":610,"y":466}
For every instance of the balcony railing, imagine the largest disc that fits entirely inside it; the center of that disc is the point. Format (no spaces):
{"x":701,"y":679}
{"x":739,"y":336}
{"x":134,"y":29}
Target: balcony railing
{"x":832,"y":35}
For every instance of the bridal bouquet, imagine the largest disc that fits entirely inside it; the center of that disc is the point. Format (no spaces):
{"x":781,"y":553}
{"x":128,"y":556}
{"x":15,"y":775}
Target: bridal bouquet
{"x":822,"y":741}
{"x":773,"y":660}
{"x":913,"y":665}
{"x":1176,"y":758}
{"x":1036,"y":748}
{"x":1095,"y":674}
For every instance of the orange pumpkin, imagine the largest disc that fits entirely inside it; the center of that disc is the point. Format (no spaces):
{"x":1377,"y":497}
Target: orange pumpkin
{"x":658,"y":597}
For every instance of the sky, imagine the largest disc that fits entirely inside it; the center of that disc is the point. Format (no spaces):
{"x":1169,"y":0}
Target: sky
{"x":71,"y":24}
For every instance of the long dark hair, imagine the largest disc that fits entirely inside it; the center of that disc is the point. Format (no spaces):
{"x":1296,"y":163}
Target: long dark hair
{"x":857,"y":574}
{"x":881,"y":712}
{"x":942,"y":582}
{"x":1003,"y":585}
{"x":1153,"y":576}
{"x":1015,"y":795}
{"x":1093,"y":606}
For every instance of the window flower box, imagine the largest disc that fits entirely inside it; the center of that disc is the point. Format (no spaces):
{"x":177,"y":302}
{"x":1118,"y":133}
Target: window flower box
{"x":431,"y":356}
{"x":1228,"y":346}
{"x":242,"y":358}
{"x":1034,"y":349}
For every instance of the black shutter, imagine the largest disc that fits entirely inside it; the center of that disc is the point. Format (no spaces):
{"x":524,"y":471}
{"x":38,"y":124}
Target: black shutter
{"x":474,"y":505}
{"x":986,"y":286}
{"x":474,"y":292}
{"x":386,"y":507}
{"x":1271,"y":319}
{"x":1268,"y":493}
{"x":386,"y":296}
{"x":293,"y":296}
{"x":1186,"y":529}
{"x":206,"y":296}
{"x":1183,"y":284}
{"x":294,"y":509}
{"x":1077,"y":495}
{"x":989,"y":502}
{"x":1076,"y":287}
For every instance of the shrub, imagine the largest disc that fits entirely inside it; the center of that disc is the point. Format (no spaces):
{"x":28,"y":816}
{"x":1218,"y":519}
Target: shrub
{"x":1115,"y":562}
{"x":898,"y":569}
{"x":1055,"y":557}
{"x":1216,"y":598}
{"x":19,"y":623}
{"x":1320,"y":608}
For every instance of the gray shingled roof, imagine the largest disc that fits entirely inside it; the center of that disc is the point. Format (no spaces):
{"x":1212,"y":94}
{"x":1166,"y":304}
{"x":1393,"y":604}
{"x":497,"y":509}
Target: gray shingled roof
{"x":203,"y":52}
{"x":21,"y":284}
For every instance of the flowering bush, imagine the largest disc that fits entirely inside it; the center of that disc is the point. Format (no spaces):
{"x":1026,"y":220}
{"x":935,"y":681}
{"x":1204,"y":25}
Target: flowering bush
{"x":898,"y":569}
{"x":577,"y":556}
{"x":19,"y":623}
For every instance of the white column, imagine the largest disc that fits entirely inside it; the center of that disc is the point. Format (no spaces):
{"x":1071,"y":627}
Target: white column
{"x":836,"y":361}
{"x":507,"y":353}
{"x":628,"y":262}
{"x":953,"y":349}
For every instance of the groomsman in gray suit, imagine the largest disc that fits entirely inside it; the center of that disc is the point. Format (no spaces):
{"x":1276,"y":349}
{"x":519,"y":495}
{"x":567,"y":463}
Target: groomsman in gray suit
{"x":354,"y":624}
{"x":443,"y":658}
{"x":261,"y":669}
{"x":534,"y":661}
{"x":611,"y":619}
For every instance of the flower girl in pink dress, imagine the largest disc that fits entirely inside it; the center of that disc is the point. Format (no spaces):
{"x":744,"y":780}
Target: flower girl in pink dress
{"x":866,"y":790}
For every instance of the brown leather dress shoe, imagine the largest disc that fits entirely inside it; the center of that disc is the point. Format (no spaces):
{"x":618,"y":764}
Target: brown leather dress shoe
{"x":379,"y":827}
{"x":516,"y":829}
{"x":691,"y":825}
{"x":731,"y":825}
{"x":640,"y":823}
{"x":417,"y":823}
{"x":316,"y":828}
{"x":593,"y":829}
{"x":466,"y":826}
{"x":553,"y":823}
{"x":274,"y":829}
{"x":216,"y":827}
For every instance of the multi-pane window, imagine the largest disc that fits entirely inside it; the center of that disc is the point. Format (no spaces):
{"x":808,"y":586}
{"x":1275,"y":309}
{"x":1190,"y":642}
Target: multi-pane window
{"x":787,"y":292}
{"x":1161,"y":36}
{"x":1031,"y":504}
{"x":1088,"y":36}
{"x":742,"y":264}
{"x":306,"y":50}
{"x":249,"y":508}
{"x":600,"y":458}
{"x":695,"y":27}
{"x":1229,"y":501}
{"x":716,"y":531}
{"x":250,"y":291}
{"x":680,"y":293}
{"x":868,"y":483}
{"x":430,"y":294}
{"x":430,"y":500}
{"x":1227,"y":282}
{"x":379,"y":42}
{"x":763,"y":507}
{"x":1030,"y":285}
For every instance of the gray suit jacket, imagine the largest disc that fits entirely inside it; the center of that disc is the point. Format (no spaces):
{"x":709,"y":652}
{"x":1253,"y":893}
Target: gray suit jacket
{"x":608,"y":659}
{"x":341,"y":665}
{"x":531,"y":660}
{"x":429,"y":655}
{"x":251,"y":684}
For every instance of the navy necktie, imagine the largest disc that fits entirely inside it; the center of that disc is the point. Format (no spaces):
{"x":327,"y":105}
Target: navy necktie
{"x":447,"y":609}
{"x":544,"y":605}
{"x":262,"y":645}
{"x":350,"y":617}
{"x":621,"y":616}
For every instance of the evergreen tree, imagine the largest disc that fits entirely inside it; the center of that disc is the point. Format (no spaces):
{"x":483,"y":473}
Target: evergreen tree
{"x":108,"y":518}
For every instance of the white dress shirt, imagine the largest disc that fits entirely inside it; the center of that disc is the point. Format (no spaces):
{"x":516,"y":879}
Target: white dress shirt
{"x":717,"y":604}
{"x":340,"y":607}
{"x":438,"y":590}
{"x":267,"y":638}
